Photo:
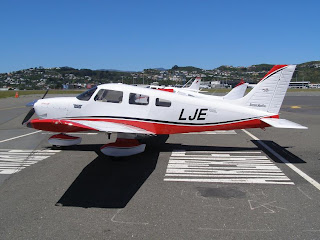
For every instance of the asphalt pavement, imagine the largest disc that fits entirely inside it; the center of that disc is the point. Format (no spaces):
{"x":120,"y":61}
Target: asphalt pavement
{"x":254,"y":184}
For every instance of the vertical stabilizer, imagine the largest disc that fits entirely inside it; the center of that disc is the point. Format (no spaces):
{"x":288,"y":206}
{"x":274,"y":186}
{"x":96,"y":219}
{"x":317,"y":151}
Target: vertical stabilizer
{"x":269,"y":93}
{"x":237,"y":92}
{"x":195,"y":84}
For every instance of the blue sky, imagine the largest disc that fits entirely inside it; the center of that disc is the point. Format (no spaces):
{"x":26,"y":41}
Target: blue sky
{"x":134,"y":35}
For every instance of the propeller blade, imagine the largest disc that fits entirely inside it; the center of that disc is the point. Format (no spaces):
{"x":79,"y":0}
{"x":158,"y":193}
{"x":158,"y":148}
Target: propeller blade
{"x":32,"y":111}
{"x":45,"y":93}
{"x":29,"y":115}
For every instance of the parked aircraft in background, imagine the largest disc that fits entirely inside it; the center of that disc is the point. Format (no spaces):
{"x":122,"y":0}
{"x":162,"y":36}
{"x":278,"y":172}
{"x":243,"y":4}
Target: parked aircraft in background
{"x":134,"y":112}
{"x":195,"y":87}
{"x":194,"y":90}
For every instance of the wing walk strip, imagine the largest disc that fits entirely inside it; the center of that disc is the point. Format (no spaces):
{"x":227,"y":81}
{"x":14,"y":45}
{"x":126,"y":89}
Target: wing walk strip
{"x":223,"y":167}
{"x":12,"y":161}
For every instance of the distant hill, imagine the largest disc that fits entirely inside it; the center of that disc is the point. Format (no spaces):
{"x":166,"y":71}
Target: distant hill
{"x":309,"y":71}
{"x":187,"y":68}
{"x":57,"y":77}
{"x":114,"y":70}
{"x":160,"y":69}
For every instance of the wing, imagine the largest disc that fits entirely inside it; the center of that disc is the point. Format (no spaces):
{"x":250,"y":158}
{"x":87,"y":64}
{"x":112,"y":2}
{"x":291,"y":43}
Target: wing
{"x":112,"y":127}
{"x":60,"y":125}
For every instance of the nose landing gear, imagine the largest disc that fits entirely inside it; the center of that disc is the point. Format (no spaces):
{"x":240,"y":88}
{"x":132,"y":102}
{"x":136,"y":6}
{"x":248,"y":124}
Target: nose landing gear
{"x":63,"y":139}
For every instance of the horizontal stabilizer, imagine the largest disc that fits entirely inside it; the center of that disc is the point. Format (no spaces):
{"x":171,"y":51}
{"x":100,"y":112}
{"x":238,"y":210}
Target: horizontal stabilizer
{"x":282,"y":123}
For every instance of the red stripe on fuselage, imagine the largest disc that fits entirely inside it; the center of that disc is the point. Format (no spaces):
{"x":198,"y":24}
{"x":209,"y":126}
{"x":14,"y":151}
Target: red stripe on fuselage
{"x":53,"y":125}
{"x":166,"y":89}
{"x":165,"y":128}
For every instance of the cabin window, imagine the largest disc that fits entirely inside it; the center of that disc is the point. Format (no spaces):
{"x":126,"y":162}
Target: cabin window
{"x":162,"y":102}
{"x":138,"y":99}
{"x":111,"y":96}
{"x":85,"y":96}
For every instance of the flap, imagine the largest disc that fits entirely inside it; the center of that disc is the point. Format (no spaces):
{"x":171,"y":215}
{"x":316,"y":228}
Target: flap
{"x":282,"y":123}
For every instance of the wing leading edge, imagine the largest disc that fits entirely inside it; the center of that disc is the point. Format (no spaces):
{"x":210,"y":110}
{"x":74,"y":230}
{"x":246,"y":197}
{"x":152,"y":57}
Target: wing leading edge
{"x":60,"y":125}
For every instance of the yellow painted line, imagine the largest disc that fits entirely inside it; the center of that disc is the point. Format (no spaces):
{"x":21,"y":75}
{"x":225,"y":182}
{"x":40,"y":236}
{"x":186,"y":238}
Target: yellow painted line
{"x":12,"y":108}
{"x":295,"y":107}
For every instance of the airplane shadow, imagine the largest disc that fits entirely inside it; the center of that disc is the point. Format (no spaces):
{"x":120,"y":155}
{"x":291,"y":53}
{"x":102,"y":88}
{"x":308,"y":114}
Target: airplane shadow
{"x":282,"y":151}
{"x":108,"y":182}
{"x":111,"y":183}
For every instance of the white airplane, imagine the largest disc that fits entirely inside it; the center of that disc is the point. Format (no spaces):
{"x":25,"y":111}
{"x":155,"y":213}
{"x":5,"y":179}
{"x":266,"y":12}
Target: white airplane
{"x":194,"y":87}
{"x":194,"y":90}
{"x":134,"y":112}
{"x":237,"y":92}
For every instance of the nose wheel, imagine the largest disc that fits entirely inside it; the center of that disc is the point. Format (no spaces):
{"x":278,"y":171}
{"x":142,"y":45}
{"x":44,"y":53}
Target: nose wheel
{"x":63,"y":139}
{"x":123,"y":147}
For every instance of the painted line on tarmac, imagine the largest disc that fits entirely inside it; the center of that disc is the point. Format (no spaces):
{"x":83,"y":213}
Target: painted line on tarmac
{"x":2,"y":109}
{"x":24,"y":135}
{"x":217,"y":167}
{"x":285,"y":161}
{"x":14,"y":160}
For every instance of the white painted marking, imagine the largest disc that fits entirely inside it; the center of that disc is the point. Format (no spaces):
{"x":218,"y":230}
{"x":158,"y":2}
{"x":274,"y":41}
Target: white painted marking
{"x":232,"y":167}
{"x":235,"y":180}
{"x":30,"y":151}
{"x":219,"y":162}
{"x":220,"y":158}
{"x":220,"y":155}
{"x":21,"y":153}
{"x":221,"y":171}
{"x":13,"y":160}
{"x":178,"y":153}
{"x":285,"y":161}
{"x":24,"y":135}
{"x":264,"y":175}
{"x":20,"y":157}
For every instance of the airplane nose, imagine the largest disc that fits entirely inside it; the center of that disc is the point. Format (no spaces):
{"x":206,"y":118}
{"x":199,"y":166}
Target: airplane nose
{"x":41,"y":108}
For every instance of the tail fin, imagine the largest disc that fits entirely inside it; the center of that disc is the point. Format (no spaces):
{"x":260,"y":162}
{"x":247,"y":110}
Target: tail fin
{"x":237,"y":92}
{"x":269,"y":93}
{"x":196,"y":84}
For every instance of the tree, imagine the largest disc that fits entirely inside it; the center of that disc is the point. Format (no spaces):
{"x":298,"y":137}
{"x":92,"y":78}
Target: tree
{"x":175,"y":67}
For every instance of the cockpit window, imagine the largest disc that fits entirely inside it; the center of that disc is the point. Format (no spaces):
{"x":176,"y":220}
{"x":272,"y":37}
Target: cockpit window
{"x":85,"y":96}
{"x":105,"y":95}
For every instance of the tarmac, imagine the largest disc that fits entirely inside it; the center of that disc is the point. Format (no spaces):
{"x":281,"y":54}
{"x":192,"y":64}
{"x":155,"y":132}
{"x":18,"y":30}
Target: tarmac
{"x":252,"y":184}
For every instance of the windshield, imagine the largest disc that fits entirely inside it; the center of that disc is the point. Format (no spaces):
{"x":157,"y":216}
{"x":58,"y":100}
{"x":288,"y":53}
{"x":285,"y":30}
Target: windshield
{"x":85,"y":96}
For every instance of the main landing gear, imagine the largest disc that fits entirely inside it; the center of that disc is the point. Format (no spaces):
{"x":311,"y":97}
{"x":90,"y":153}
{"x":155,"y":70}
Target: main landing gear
{"x":125,"y":145}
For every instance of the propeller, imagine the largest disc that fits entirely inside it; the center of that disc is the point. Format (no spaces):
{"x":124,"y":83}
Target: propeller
{"x":32,"y":111}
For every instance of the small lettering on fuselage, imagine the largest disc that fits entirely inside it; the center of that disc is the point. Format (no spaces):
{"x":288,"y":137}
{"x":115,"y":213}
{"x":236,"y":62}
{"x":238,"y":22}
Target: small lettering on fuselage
{"x":257,"y":105}
{"x":199,"y":114}
{"x":77,"y":105}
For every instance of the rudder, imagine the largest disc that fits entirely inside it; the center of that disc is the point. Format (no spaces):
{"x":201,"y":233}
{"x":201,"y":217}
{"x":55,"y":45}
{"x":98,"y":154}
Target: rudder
{"x":269,"y":93}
